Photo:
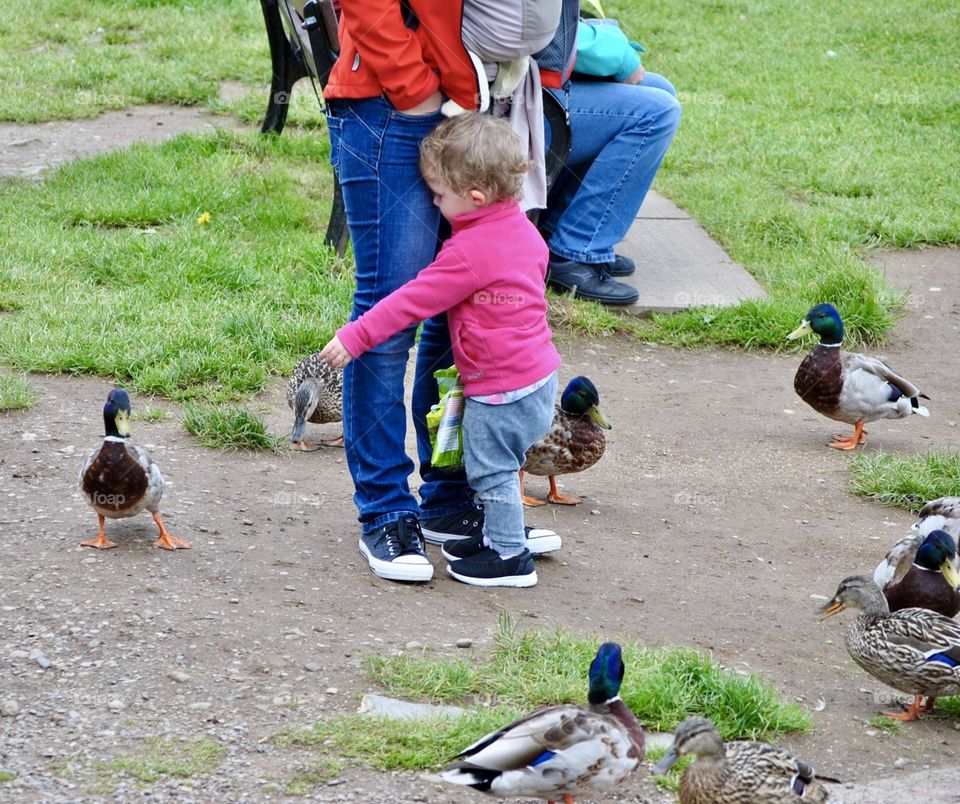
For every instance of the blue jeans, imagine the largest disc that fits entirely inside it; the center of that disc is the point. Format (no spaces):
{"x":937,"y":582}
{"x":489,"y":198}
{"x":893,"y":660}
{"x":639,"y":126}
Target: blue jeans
{"x":620,"y":134}
{"x":495,"y":441}
{"x":393,"y":225}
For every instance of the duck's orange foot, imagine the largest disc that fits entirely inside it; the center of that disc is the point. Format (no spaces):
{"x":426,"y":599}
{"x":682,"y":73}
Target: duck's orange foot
{"x":101,"y":543}
{"x":859,"y":437}
{"x":170,"y":542}
{"x":912,"y":713}
{"x":167,"y":540}
{"x":304,"y":445}
{"x":532,"y":502}
{"x":555,"y":496}
{"x":562,"y":499}
{"x":333,"y":442}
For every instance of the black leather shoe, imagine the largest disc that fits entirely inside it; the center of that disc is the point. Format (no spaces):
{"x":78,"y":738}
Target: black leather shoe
{"x":591,"y":282}
{"x":621,"y":266}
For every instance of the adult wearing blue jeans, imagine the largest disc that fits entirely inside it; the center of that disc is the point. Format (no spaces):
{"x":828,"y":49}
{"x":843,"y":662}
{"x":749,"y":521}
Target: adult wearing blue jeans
{"x":397,"y":63}
{"x":621,"y":129}
{"x":393,"y":225}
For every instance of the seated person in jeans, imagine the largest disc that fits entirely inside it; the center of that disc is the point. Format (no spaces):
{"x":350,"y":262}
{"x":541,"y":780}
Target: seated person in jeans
{"x":621,"y":128}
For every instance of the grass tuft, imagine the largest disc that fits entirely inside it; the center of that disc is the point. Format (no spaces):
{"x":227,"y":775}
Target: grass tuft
{"x":885,"y":724}
{"x":303,"y":782}
{"x":229,"y":427}
{"x":7,"y":776}
{"x":532,"y":670}
{"x":168,"y":758}
{"x":16,"y":393}
{"x":905,"y":481}
{"x":151,"y":414}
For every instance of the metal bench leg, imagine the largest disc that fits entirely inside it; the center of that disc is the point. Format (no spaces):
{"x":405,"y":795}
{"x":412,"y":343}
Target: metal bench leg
{"x":287,"y":69}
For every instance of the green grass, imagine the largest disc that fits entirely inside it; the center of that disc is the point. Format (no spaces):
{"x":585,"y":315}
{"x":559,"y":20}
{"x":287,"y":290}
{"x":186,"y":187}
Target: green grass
{"x":165,"y":758}
{"x":16,"y":393}
{"x":905,"y":481}
{"x":304,"y":782}
{"x":798,"y":161}
{"x":229,"y":427}
{"x":885,"y":724}
{"x":532,"y":670}
{"x":7,"y":776}
{"x":109,"y":273}
{"x":150,"y":414}
{"x":111,"y":54}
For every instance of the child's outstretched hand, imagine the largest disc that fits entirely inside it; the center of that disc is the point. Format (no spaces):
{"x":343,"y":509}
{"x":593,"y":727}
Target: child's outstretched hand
{"x":334,"y":353}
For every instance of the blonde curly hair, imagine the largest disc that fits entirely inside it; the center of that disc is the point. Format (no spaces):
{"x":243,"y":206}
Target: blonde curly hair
{"x":474,"y":151}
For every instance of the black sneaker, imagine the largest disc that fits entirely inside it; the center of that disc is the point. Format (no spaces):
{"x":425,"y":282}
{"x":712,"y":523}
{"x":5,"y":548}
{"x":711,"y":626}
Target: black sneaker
{"x":539,"y":541}
{"x":621,"y":266}
{"x":456,"y":526}
{"x":396,"y":551}
{"x":590,"y":282}
{"x":488,"y":569}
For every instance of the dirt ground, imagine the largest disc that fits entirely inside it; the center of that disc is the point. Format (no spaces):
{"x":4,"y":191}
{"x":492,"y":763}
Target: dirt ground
{"x":715,"y":518}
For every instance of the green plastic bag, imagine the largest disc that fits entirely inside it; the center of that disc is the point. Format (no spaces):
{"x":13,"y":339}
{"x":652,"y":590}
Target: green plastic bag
{"x":445,"y":421}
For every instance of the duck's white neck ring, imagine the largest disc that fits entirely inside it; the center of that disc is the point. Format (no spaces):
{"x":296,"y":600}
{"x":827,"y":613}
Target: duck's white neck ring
{"x":117,"y":439}
{"x":831,"y":345}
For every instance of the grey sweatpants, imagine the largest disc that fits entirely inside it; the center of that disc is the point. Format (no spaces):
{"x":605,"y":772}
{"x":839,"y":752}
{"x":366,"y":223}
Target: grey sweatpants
{"x":495,"y":441}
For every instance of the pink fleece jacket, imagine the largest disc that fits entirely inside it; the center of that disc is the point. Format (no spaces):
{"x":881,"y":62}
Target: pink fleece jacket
{"x":489,"y":277}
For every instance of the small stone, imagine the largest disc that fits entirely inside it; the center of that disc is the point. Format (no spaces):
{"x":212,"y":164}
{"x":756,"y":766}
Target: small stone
{"x":9,"y":708}
{"x":332,"y":691}
{"x":179,"y":676}
{"x":313,"y":667}
{"x":247,"y":521}
{"x":90,"y":560}
{"x":234,"y":600}
{"x":464,"y":643}
{"x":413,"y":645}
{"x":43,"y":661}
{"x":289,"y":588}
{"x":200,"y":706}
{"x":116,"y":706}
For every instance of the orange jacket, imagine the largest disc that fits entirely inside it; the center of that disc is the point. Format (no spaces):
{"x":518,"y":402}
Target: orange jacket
{"x":380,"y":54}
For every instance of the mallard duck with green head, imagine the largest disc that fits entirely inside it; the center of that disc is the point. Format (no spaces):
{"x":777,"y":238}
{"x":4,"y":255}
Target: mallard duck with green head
{"x":921,"y":572}
{"x":120,"y":480}
{"x":916,"y":651}
{"x":315,"y":394}
{"x":740,"y":772}
{"x":575,"y":441}
{"x":848,"y":386}
{"x":562,"y":751}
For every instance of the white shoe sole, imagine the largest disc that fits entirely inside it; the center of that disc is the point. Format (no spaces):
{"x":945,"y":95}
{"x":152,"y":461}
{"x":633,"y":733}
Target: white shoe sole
{"x":404,"y":568}
{"x":515,"y":581}
{"x":541,"y":540}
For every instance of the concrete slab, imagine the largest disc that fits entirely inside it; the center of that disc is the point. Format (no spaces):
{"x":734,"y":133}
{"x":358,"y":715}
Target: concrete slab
{"x":679,"y":265}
